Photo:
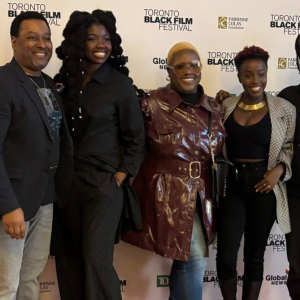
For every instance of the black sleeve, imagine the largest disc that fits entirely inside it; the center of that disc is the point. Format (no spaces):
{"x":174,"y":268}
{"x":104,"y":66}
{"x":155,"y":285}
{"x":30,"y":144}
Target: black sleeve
{"x":132,"y":132}
{"x":8,"y":199}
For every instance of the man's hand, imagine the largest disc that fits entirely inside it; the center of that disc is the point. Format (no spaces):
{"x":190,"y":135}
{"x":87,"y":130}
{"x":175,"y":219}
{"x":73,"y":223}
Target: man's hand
{"x":222,"y":95}
{"x":14,"y":224}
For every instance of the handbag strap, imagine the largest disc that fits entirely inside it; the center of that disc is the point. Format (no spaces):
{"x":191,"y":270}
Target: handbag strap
{"x":214,"y":165}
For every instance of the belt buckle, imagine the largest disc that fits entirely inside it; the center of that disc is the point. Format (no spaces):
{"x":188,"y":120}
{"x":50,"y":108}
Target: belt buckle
{"x":190,"y":169}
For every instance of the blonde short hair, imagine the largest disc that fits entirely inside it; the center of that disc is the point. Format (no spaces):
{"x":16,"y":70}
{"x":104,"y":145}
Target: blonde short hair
{"x":180,"y":47}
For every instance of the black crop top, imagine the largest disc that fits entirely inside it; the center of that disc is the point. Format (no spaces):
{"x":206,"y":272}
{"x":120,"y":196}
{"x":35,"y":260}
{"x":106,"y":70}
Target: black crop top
{"x":248,"y":142}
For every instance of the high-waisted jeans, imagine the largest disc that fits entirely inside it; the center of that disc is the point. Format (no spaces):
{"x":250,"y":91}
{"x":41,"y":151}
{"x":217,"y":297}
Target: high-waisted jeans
{"x":244,"y":211}
{"x":186,"y":278}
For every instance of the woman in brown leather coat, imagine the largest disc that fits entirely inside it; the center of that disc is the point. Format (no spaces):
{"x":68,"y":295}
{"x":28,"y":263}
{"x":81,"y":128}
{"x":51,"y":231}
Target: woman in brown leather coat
{"x":173,"y":184}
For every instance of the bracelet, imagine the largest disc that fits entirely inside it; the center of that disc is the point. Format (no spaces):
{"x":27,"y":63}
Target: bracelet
{"x":118,"y":180}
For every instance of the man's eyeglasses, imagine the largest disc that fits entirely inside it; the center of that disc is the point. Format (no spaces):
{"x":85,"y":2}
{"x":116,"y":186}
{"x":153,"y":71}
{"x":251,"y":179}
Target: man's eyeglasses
{"x":179,"y":68}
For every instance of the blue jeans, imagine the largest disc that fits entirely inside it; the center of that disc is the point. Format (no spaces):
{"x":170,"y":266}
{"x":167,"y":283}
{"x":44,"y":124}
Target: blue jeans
{"x":186,"y":278}
{"x":22,"y":261}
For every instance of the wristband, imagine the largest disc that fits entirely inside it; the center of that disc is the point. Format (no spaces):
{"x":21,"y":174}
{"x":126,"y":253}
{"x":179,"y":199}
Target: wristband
{"x":117,"y":179}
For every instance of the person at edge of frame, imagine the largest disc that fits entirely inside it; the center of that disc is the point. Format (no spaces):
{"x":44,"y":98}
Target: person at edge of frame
{"x":174,"y":183}
{"x":260,"y":130}
{"x":35,"y":159}
{"x":106,"y":125}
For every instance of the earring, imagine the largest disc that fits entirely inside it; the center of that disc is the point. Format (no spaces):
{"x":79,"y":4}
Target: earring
{"x":168,"y":78}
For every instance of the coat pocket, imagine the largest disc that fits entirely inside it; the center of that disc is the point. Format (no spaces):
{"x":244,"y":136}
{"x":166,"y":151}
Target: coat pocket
{"x":169,"y":134}
{"x":14,"y":173}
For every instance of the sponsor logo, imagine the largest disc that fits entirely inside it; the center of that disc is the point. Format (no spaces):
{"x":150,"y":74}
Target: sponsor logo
{"x":211,"y":277}
{"x":277,"y":279}
{"x":290,"y":24}
{"x":16,"y":8}
{"x":160,"y":62}
{"x":222,"y":22}
{"x":45,"y":286}
{"x":232,"y":22}
{"x":123,"y":284}
{"x":282,"y":62}
{"x":287,"y":63}
{"x":277,"y":242}
{"x":170,"y":20}
{"x":222,"y":59}
{"x":162,"y":281}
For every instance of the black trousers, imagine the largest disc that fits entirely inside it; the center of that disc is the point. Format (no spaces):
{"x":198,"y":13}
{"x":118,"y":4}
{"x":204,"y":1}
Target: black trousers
{"x":293,"y":242}
{"x":84,"y":235}
{"x":244,"y":211}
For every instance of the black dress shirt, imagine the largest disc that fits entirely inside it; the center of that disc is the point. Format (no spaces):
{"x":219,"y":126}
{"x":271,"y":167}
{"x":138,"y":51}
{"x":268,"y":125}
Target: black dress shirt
{"x":110,"y":133}
{"x":292,"y":94}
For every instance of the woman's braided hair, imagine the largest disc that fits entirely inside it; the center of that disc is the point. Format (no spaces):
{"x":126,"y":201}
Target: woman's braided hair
{"x":71,"y":52}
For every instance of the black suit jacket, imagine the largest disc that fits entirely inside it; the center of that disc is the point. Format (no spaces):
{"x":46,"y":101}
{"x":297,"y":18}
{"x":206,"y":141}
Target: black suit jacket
{"x":25,"y":142}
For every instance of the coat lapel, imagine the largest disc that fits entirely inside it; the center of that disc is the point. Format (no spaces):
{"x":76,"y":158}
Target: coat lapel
{"x":30,"y":89}
{"x":277,"y":116}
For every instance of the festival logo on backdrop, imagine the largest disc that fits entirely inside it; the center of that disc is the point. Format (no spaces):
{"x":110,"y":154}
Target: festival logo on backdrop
{"x":285,"y":63}
{"x":16,"y":8}
{"x":277,"y":242}
{"x":289,"y":24}
{"x":48,"y":286}
{"x":222,"y":59}
{"x":211,"y":277}
{"x":232,"y":22}
{"x":161,"y":63}
{"x":169,"y":20}
{"x":162,"y":280}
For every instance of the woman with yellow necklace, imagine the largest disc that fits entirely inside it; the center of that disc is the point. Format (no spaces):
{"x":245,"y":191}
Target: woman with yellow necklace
{"x":260,"y":130}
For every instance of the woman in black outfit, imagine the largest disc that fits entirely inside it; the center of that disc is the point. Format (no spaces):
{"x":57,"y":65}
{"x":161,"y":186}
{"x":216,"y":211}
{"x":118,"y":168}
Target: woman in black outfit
{"x":106,"y":124}
{"x":260,"y":130}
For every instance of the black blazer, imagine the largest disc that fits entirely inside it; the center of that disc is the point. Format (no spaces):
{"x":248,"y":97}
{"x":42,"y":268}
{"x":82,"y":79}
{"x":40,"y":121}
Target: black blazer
{"x":25,"y":142}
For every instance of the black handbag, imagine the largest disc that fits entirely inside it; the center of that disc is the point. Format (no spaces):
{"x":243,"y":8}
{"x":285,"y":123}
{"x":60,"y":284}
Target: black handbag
{"x":220,"y":168}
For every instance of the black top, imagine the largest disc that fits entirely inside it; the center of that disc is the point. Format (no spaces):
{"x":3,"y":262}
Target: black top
{"x":55,"y":118}
{"x":110,"y":133}
{"x":248,"y":142}
{"x":191,"y":98}
{"x":292,"y":94}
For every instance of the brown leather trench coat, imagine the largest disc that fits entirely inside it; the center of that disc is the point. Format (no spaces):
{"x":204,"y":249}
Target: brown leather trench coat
{"x":177,"y":166}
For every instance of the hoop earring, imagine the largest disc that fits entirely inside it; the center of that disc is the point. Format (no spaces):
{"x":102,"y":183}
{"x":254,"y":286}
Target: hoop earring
{"x":168,"y":78}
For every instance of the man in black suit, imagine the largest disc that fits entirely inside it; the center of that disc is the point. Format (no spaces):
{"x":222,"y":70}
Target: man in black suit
{"x":292,"y":94}
{"x":35,"y":158}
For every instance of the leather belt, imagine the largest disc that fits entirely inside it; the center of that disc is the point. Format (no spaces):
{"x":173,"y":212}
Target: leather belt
{"x":192,"y":169}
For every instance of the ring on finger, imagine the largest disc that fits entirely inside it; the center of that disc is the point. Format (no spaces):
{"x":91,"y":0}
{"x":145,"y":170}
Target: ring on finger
{"x":268,"y":186}
{"x":264,"y":184}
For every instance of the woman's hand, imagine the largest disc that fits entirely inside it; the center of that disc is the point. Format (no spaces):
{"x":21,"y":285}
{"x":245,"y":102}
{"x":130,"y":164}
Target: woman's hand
{"x":119,"y":177}
{"x":222,"y":95}
{"x":270,"y":179}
